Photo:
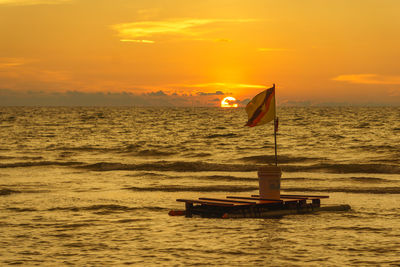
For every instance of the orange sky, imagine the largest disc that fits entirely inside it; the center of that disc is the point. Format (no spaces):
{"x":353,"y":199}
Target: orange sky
{"x":198,"y":52}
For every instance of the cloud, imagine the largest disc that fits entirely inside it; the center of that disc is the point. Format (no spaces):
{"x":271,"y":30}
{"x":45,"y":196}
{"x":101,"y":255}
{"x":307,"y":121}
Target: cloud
{"x":192,"y":28}
{"x":368,"y":79}
{"x":32,"y":2}
{"x":80,"y":98}
{"x":207,"y":94}
{"x":159,"y":93}
{"x":137,"y":41}
{"x":69,"y":98}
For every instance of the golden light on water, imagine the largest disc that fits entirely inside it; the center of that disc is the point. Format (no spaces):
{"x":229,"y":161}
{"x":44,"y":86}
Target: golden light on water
{"x":229,"y":102}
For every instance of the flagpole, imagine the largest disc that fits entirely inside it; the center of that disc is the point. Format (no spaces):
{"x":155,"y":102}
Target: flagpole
{"x":276,"y":152}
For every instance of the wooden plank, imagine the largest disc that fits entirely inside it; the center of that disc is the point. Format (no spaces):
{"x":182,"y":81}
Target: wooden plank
{"x":227,"y":200}
{"x":275,"y":213}
{"x":212,"y":203}
{"x":255,"y":198}
{"x":298,"y":196}
{"x":286,"y":200}
{"x":314,"y":198}
{"x":307,"y":196}
{"x":294,"y":199}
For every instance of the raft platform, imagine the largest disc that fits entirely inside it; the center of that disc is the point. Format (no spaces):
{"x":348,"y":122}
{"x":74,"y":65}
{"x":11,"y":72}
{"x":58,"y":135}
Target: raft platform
{"x":253,"y":206}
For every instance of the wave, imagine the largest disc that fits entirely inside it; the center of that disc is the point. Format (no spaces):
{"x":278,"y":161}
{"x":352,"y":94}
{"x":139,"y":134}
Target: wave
{"x":363,"y":125}
{"x":346,"y":168}
{"x":132,"y":149}
{"x":73,"y":226}
{"x":262,"y":159}
{"x":297,"y":179}
{"x":106,"y":208}
{"x":131,"y":220}
{"x":372,"y":190}
{"x":360,"y":229}
{"x":226,"y":178}
{"x":95,"y":207}
{"x":80,"y":148}
{"x":6,"y":192}
{"x":369,"y":179}
{"x":223,"y":178}
{"x":38,"y":163}
{"x":229,"y":178}
{"x":147,"y":174}
{"x":16,"y":209}
{"x":21,"y":158}
{"x":198,"y":155}
{"x":215,"y":188}
{"x":154,"y":153}
{"x":336,"y":136}
{"x":89,"y":148}
{"x":200,"y":166}
{"x":229,"y":135}
{"x":377,"y":148}
{"x":100,"y":209}
{"x":179,"y":166}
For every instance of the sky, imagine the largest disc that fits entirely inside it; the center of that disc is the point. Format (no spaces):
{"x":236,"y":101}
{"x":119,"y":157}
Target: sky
{"x":195,"y":53}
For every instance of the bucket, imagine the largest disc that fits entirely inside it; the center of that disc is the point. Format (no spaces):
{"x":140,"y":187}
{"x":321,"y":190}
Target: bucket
{"x":269,"y":178}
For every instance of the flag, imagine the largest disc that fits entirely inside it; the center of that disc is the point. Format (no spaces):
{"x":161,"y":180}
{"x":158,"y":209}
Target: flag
{"x":261,"y":109}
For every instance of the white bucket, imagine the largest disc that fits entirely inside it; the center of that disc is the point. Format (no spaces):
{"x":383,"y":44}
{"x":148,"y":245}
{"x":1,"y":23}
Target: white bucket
{"x":269,"y":178}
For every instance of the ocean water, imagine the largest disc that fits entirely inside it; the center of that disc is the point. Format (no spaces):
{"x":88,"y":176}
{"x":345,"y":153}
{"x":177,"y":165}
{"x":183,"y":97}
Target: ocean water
{"x":93,"y":186}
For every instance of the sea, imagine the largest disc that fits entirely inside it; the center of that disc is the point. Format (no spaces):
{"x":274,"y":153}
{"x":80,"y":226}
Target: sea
{"x":92,"y":186}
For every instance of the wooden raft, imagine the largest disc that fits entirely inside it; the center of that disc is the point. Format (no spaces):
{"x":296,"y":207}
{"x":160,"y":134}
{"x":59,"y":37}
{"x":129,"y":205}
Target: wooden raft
{"x":253,"y":206}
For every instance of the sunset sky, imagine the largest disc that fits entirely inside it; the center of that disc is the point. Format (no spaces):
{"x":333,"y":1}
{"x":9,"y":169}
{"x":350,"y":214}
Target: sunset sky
{"x":195,"y":53}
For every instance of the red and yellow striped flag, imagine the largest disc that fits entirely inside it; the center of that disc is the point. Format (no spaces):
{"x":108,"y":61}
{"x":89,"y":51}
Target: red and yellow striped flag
{"x":261,"y":109}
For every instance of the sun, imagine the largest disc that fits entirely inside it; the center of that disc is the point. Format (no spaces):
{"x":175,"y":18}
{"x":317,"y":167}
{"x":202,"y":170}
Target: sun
{"x":229,"y":102}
